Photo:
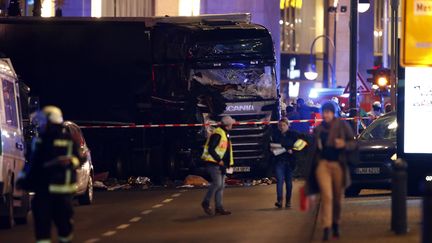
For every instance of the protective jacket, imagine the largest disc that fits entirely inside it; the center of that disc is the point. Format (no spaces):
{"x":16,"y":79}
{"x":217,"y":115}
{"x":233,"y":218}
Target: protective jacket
{"x":218,"y":147}
{"x":53,"y":159}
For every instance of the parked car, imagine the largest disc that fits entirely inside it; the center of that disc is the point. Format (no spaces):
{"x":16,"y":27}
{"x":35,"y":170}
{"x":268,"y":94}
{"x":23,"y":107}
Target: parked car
{"x":85,"y":171}
{"x":377,"y":149}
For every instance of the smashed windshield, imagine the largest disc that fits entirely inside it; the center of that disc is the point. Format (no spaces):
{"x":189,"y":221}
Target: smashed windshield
{"x":240,"y":83}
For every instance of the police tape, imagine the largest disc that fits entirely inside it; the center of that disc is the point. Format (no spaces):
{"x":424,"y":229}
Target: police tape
{"x":212,"y":124}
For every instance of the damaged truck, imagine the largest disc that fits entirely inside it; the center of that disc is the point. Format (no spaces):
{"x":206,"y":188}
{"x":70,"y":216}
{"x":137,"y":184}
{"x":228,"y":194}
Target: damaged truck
{"x":161,"y":70}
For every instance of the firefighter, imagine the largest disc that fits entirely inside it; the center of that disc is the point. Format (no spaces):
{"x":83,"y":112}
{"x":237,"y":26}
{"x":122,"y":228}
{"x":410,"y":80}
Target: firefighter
{"x":51,"y":174}
{"x":218,"y":156}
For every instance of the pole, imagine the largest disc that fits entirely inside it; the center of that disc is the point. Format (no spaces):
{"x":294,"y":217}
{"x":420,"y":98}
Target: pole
{"x":399,"y":198}
{"x":312,"y":61}
{"x":385,"y":35}
{"x":333,"y":82}
{"x":427,"y":211}
{"x":353,"y":54}
{"x":395,"y":51}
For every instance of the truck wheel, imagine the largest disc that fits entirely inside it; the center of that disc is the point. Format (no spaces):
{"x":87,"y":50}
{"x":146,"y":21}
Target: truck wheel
{"x":352,"y":191}
{"x":6,"y":212}
{"x":87,"y":198}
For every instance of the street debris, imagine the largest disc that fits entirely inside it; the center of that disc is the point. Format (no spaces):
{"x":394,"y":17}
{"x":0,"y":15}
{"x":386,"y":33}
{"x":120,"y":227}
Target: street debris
{"x":196,"y":181}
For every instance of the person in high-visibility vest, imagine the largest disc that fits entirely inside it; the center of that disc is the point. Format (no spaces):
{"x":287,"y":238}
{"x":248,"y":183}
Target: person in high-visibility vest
{"x":218,"y":156}
{"x":51,"y":174}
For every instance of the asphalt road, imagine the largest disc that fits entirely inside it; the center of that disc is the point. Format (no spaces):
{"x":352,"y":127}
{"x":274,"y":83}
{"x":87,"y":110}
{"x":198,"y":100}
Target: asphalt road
{"x":175,"y":216}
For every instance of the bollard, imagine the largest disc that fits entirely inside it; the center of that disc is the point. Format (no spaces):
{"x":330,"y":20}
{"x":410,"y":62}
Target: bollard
{"x":427,"y":210}
{"x":399,"y":198}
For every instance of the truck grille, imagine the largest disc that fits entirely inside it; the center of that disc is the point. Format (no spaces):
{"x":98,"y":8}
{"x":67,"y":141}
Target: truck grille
{"x":250,"y":141}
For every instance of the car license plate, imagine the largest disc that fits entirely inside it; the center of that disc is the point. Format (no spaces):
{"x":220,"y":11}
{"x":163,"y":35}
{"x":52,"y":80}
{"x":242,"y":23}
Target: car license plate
{"x":368,"y":171}
{"x":242,"y":169}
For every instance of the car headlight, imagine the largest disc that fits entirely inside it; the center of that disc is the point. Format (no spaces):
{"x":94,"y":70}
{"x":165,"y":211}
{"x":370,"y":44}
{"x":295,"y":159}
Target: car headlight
{"x":394,"y":157}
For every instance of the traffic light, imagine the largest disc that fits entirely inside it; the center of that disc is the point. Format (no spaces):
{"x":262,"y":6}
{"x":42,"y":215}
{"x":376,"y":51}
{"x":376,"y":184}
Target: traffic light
{"x":380,"y":78}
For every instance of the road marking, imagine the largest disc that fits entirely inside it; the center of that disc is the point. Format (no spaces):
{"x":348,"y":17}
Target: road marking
{"x":183,"y":190}
{"x":92,"y":240}
{"x":167,"y":200}
{"x":134,"y":220}
{"x":146,"y":212}
{"x":176,"y":195}
{"x":109,"y":233}
{"x":157,"y":206}
{"x":123,"y":226}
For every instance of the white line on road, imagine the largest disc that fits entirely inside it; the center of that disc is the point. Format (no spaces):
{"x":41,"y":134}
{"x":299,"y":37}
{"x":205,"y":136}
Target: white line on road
{"x":146,"y":212}
{"x":157,"y":206}
{"x":123,"y":226}
{"x":167,"y":200}
{"x":109,"y":233}
{"x":134,"y":220}
{"x":183,"y":190}
{"x":176,"y":195}
{"x":92,"y":240}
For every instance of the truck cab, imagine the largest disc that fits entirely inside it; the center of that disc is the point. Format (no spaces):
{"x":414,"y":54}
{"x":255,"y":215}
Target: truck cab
{"x":14,"y":204}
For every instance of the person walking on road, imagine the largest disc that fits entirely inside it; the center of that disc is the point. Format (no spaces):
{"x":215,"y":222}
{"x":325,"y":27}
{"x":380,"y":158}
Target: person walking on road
{"x":283,"y":145}
{"x":218,"y":156}
{"x":51,"y":174}
{"x":329,"y":175}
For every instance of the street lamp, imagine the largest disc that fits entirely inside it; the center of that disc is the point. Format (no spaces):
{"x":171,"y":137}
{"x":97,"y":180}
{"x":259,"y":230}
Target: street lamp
{"x":363,"y":6}
{"x":311,"y":73}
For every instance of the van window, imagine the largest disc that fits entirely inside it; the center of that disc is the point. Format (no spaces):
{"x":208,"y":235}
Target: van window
{"x":10,"y":103}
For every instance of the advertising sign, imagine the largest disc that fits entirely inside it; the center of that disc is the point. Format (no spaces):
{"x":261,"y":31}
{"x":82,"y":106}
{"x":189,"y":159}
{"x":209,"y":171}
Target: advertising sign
{"x":418,"y":110}
{"x":417,"y":39}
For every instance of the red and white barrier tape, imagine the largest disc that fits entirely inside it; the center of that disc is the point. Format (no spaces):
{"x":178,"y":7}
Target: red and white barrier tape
{"x":209,"y":124}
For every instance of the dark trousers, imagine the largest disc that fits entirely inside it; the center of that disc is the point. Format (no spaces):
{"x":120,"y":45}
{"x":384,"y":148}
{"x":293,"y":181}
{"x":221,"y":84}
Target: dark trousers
{"x":53,"y":208}
{"x":283,"y":171}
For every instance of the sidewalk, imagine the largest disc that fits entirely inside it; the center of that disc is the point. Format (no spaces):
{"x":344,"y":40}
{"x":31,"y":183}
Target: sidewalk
{"x":367,"y":219}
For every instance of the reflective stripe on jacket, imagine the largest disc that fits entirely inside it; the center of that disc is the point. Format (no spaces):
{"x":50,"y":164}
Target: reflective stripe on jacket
{"x":221,"y":149}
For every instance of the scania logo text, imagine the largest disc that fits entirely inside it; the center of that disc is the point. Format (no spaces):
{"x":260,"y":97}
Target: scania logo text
{"x":232,"y":108}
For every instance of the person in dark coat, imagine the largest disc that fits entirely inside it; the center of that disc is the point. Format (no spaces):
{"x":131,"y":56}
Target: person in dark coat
{"x":331,"y":151}
{"x":303,"y":112}
{"x":284,"y":160}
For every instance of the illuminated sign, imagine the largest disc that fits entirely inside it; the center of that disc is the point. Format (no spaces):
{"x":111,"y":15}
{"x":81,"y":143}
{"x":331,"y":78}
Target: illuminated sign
{"x":418,"y":110}
{"x":293,"y":73}
{"x":416,"y":41}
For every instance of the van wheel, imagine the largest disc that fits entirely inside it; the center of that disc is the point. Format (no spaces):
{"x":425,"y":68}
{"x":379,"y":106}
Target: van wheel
{"x":352,"y":192}
{"x":6,"y":212}
{"x":87,"y":198}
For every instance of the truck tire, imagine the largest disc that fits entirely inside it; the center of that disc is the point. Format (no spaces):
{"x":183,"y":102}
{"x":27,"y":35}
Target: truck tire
{"x":87,"y":198}
{"x":6,"y":212}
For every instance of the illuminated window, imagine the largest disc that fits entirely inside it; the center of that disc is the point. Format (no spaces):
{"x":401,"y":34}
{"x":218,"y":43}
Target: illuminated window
{"x":300,"y":22}
{"x":189,"y":7}
{"x":47,"y":8}
{"x":96,"y":8}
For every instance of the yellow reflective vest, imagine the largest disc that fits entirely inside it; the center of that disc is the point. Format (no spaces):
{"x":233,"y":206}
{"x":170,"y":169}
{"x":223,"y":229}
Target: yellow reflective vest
{"x":221,"y":149}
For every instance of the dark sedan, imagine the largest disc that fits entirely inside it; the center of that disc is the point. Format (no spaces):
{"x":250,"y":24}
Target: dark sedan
{"x":377,"y":148}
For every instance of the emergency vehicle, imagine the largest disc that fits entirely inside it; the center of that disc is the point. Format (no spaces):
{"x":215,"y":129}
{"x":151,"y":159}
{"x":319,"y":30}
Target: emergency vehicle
{"x":14,"y":204}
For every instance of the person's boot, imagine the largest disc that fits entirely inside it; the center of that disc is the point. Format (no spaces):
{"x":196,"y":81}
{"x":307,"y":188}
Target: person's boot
{"x":288,"y":204}
{"x":206,"y":208}
{"x":221,"y":211}
{"x":326,"y":234}
{"x":278,"y":204}
{"x":336,"y":233}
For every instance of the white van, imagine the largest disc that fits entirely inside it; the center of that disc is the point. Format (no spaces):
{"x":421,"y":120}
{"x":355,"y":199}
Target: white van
{"x":14,"y":204}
